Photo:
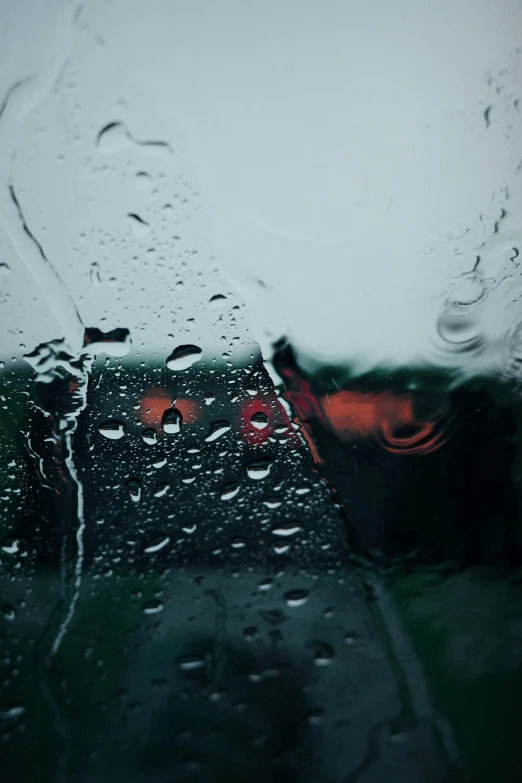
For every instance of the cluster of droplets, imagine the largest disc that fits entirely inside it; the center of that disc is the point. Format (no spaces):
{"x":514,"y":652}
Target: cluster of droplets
{"x":479,"y":326}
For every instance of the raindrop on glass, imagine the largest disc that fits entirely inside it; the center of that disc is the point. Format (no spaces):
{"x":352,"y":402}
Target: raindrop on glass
{"x":230,"y":491}
{"x":143,"y":182}
{"x":217,"y":301}
{"x":468,"y":289}
{"x":188,"y":663}
{"x":8,"y":612}
{"x":113,"y":430}
{"x":171,"y":421}
{"x":324,"y":653}
{"x":296,"y":598}
{"x":112,"y":138}
{"x":184,"y":356}
{"x":161,"y":490}
{"x":157,"y":545}
{"x":259,"y":469}
{"x":273,"y":503}
{"x":134,"y":487}
{"x":217,"y":429}
{"x":139,"y":226}
{"x":459,"y":331}
{"x":286,"y":530}
{"x":259,"y":420}
{"x":12,"y":712}
{"x":95,"y":274}
{"x":153,"y":607}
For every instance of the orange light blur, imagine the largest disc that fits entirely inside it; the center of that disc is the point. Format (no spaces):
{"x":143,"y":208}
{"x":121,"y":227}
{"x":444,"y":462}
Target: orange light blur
{"x":351,"y":414}
{"x":354,"y":414}
{"x":156,"y":401}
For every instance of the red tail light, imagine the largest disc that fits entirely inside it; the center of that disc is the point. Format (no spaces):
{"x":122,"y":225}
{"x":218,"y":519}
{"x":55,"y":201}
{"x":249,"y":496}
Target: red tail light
{"x":277,"y":421}
{"x":250,"y":433}
{"x":389,"y":417}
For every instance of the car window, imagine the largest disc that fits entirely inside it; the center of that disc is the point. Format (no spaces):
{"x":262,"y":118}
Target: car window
{"x":259,"y":407}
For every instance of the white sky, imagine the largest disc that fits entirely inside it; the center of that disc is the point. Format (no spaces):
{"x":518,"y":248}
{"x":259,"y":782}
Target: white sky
{"x":336,"y":151}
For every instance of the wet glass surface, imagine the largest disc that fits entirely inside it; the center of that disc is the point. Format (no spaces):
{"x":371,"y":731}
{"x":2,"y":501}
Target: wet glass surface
{"x":260,"y":410}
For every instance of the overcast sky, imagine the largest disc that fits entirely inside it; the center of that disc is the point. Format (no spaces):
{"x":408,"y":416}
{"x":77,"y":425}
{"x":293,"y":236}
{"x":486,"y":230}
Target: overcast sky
{"x":339,"y":163}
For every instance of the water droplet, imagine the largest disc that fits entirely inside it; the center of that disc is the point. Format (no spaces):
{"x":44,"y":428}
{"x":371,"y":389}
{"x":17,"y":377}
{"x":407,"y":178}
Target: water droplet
{"x":184,"y":356}
{"x":272,"y":503}
{"x":263,"y":675}
{"x":143,"y":182}
{"x":134,"y":487}
{"x":281,"y":549}
{"x":112,"y":138}
{"x":113,"y":430}
{"x":217,"y":429}
{"x":189,"y":529}
{"x":171,"y":421}
{"x":315,"y":716}
{"x":238,"y":543}
{"x":265,"y":584}
{"x":217,"y":301}
{"x":153,"y":607}
{"x":324,"y":653}
{"x":13,"y":546}
{"x":468,"y":289}
{"x":149,"y":436}
{"x":188,"y":663}
{"x":296,"y":598}
{"x":351,"y":638}
{"x":209,"y":399}
{"x":95,"y":274}
{"x":230,"y":491}
{"x":258,"y":470}
{"x":159,"y":462}
{"x":10,"y":713}
{"x":4,"y":268}
{"x":286,"y":530}
{"x":116,"y":342}
{"x":459,"y":330}
{"x":259,"y":420}
{"x":8,"y":612}
{"x":161,"y":490}
{"x":139,"y":226}
{"x":158,"y":544}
